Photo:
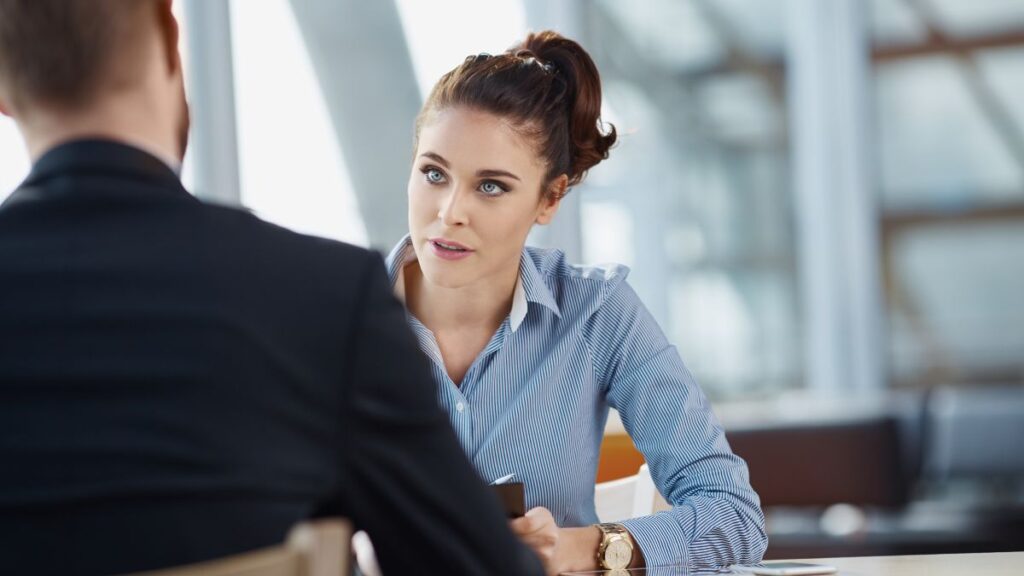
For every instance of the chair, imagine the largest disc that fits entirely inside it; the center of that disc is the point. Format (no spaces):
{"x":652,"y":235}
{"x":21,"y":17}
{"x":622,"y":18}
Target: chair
{"x":628,"y":497}
{"x":969,"y":432}
{"x":312,"y":549}
{"x":859,"y":461}
{"x":619,"y":457}
{"x":647,"y":499}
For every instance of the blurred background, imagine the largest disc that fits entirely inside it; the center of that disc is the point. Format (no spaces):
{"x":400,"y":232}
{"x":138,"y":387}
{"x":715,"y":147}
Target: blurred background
{"x":822,"y":203}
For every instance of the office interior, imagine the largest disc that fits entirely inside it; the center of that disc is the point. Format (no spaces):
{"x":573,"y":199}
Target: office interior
{"x":821,"y":202}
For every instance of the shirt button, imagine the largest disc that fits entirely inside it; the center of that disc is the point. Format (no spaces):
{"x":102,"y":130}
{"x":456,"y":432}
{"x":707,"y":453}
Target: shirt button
{"x":460,"y":407}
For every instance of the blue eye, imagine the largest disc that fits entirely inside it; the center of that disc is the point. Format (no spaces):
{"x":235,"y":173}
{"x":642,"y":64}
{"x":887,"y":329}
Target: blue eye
{"x":492,"y":188}
{"x":433,"y":175}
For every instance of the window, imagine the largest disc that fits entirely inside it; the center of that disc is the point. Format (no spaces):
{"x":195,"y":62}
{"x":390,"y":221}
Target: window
{"x":951,"y":152}
{"x":440,"y":37}
{"x":14,"y":163}
{"x":696,"y":193}
{"x":291,"y":166}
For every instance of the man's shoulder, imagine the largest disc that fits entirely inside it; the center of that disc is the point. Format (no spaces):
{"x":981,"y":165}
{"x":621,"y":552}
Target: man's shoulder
{"x":242,"y":226}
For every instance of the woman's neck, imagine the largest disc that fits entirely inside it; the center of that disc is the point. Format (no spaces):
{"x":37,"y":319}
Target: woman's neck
{"x":481,"y":306}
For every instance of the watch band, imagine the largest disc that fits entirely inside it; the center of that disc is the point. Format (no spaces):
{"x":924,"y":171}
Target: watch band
{"x":610,"y":535}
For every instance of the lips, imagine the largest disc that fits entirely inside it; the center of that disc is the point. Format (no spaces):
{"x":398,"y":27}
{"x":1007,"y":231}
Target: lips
{"x":452,"y":245}
{"x":449,"y":249}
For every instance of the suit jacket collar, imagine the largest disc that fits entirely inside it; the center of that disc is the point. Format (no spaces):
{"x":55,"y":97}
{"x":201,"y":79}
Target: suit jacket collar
{"x":103,"y":158}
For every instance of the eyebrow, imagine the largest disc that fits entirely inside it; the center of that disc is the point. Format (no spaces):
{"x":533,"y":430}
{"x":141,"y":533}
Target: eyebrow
{"x":437,"y":158}
{"x":481,"y":173}
{"x":497,"y":174}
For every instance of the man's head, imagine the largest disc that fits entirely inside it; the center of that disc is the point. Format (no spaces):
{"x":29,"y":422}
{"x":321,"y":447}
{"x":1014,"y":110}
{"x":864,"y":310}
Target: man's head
{"x":74,"y":63}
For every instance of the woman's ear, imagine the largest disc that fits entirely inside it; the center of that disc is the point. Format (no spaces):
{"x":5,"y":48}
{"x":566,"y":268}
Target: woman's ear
{"x":550,"y":201}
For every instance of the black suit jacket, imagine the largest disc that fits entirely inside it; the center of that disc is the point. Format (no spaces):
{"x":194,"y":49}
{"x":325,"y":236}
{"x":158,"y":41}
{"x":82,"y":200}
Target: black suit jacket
{"x":180,"y":381}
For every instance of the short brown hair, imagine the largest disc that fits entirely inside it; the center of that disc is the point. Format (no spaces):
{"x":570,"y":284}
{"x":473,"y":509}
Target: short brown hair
{"x":548,"y":87}
{"x":59,"y":52}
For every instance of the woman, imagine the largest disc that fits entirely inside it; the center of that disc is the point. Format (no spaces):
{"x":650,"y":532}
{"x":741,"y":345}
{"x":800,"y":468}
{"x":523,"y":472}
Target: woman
{"x":530,"y":351}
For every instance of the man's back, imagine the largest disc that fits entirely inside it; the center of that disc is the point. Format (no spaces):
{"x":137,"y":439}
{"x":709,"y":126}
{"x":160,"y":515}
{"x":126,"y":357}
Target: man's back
{"x":181,"y":381}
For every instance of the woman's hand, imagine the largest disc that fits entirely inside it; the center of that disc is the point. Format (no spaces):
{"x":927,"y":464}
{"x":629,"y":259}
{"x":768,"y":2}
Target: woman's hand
{"x":560,"y":549}
{"x":537,"y":529}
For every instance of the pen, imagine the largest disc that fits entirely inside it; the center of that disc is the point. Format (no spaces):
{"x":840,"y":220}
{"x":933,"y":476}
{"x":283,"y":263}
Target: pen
{"x":503,"y":479}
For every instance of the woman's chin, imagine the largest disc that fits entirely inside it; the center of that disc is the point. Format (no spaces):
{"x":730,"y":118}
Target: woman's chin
{"x":440,"y":274}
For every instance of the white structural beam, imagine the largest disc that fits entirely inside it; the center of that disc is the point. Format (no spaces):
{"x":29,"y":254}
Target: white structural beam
{"x":214,"y":137}
{"x":836,"y":209}
{"x":362,"y":62}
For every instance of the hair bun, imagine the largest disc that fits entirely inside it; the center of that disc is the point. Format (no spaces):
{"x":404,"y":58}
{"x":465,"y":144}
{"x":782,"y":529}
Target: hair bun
{"x":589,"y":144}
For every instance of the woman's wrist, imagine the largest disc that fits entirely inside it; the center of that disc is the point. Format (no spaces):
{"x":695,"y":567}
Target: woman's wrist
{"x":578,"y":548}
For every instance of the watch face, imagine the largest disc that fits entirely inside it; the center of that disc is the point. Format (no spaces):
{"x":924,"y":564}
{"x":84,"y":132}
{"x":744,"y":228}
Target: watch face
{"x":618,"y":554}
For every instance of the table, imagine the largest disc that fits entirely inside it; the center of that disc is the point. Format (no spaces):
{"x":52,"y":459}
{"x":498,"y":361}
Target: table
{"x":994,"y":564}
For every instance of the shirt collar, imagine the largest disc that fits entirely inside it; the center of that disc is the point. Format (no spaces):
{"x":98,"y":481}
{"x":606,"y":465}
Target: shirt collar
{"x":401,"y":256}
{"x":96,"y":156}
{"x":107,"y":156}
{"x":532,"y":283}
{"x":530,"y":287}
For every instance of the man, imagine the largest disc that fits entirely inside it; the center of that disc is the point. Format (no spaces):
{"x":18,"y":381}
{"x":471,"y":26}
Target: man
{"x":180,"y":382}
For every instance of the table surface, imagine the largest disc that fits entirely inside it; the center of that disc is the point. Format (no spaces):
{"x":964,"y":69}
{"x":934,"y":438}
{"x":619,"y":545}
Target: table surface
{"x":994,"y":564}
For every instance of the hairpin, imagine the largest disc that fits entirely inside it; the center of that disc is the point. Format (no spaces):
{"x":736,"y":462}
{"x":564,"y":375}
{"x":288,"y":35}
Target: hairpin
{"x":529,"y":59}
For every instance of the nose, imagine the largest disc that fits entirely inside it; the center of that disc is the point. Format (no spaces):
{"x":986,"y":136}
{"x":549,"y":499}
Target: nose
{"x":453,"y":211}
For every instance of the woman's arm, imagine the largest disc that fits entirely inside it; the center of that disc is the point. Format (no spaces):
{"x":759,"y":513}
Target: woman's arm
{"x":716,"y":517}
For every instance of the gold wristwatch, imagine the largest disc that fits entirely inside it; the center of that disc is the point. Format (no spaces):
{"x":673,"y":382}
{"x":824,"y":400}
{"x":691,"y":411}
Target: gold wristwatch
{"x":616,"y":549}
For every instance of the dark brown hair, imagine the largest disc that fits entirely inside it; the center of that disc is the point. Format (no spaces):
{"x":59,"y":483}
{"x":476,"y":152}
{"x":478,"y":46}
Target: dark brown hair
{"x":548,"y":88}
{"x":59,"y":52}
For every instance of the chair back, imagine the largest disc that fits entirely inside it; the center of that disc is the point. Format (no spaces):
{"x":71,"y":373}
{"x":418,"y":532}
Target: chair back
{"x":857,"y":461}
{"x":969,"y":431}
{"x":320,"y":548}
{"x":647,"y":499}
{"x":629,"y":497}
{"x":613,"y":500}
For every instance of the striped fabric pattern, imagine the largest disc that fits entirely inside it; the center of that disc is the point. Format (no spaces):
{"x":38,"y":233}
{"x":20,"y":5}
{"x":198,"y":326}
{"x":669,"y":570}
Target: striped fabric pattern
{"x":535,"y":401}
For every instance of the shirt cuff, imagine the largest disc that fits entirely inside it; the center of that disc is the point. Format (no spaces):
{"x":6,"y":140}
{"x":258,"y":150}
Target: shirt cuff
{"x":661,"y":537}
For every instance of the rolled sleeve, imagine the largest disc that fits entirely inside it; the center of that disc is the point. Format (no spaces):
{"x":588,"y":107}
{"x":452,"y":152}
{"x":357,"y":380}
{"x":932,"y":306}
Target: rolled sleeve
{"x":662,"y":537}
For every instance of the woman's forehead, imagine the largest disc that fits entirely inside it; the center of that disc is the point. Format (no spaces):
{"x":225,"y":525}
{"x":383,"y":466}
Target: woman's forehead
{"x":472,"y":139}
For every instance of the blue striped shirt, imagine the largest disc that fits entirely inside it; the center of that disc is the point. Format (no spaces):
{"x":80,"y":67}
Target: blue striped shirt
{"x":535,"y":402}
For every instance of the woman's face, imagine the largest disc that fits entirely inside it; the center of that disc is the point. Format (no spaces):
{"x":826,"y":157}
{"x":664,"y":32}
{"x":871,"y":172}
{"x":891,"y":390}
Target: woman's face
{"x":474,"y":194}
